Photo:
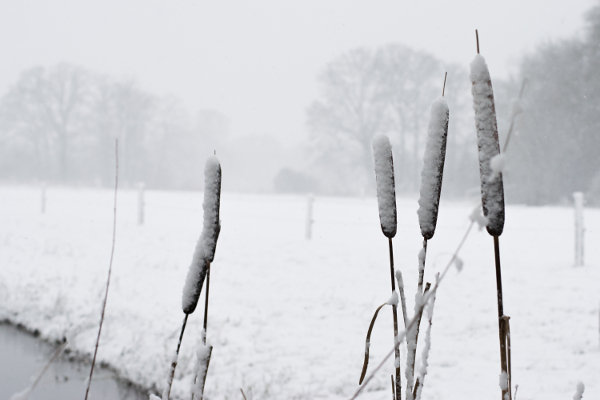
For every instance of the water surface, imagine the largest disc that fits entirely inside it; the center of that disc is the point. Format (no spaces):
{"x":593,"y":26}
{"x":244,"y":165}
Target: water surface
{"x":23,"y":356}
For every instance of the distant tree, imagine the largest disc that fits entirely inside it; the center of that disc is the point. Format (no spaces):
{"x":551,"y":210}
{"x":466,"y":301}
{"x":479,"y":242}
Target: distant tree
{"x":45,"y":110}
{"x":388,"y":90}
{"x":556,"y":150}
{"x":353,"y":109}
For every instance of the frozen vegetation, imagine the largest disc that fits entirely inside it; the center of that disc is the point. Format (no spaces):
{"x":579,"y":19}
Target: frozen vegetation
{"x":288,"y":316}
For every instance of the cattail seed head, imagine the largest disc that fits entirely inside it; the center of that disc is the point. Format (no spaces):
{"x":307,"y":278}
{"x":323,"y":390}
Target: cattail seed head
{"x":211,"y":205}
{"x":433,"y":167}
{"x":492,"y":190}
{"x":386,"y":188}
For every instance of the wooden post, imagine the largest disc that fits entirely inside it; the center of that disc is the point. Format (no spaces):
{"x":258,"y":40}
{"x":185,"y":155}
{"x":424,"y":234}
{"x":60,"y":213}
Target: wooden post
{"x":141,"y":187}
{"x":43,"y":198}
{"x":309,"y":219}
{"x":579,"y":229}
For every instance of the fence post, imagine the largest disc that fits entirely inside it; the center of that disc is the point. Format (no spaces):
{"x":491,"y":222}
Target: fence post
{"x":309,"y":219}
{"x":141,"y":187}
{"x":43,"y":198}
{"x":579,"y":229}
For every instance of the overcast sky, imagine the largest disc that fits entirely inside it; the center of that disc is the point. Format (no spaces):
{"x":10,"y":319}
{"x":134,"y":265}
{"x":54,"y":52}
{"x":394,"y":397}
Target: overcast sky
{"x":256,"y":61}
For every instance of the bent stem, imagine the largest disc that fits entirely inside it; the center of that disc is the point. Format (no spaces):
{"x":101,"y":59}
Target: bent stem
{"x":501,"y":321}
{"x":426,"y":298}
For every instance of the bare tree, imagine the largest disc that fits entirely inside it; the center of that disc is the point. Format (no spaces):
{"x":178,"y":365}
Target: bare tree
{"x":353,"y":109}
{"x":46,"y":108}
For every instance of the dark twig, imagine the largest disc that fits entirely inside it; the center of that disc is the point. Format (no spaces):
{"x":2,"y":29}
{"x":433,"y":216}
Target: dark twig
{"x":477,"y":38}
{"x":112,"y":253}
{"x":243,"y":394}
{"x":501,"y":319}
{"x":444,"y":89}
{"x":174,"y":362}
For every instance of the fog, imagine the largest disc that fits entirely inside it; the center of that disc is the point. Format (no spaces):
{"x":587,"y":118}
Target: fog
{"x":176,"y":83}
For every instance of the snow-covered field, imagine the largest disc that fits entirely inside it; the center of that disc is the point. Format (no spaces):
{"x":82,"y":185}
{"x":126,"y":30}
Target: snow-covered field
{"x":288,"y":316}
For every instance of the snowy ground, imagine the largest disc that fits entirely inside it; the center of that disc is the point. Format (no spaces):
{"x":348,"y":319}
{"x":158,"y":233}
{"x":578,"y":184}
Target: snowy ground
{"x":288,"y":316}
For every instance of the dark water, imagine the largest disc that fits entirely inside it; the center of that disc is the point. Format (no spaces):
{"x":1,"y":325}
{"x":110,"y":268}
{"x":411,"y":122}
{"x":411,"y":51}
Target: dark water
{"x":23,"y":356}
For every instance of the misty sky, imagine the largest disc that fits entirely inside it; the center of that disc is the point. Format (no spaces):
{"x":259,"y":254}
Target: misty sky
{"x":256,"y":61}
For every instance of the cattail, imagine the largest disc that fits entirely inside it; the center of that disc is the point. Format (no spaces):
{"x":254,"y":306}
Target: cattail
{"x":433,"y":167}
{"x":207,"y":244}
{"x":204,"y":253}
{"x":492,"y":189}
{"x":386,"y":189}
{"x":386,"y":198}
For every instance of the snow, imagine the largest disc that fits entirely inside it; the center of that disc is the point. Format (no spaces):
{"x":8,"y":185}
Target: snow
{"x":497,"y":165}
{"x":478,"y":218}
{"x":288,"y":316}
{"x":492,"y":190}
{"x":393,"y":300}
{"x":579,"y":393}
{"x":433,"y":167}
{"x":386,"y":189}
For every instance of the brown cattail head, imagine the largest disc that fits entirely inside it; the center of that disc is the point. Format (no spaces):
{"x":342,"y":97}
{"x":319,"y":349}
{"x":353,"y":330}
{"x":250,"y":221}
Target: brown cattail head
{"x":386,"y":188}
{"x":433,"y":167}
{"x":492,"y":188}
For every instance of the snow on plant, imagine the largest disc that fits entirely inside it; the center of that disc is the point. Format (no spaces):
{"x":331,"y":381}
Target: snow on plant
{"x":579,"y":392}
{"x":198,"y":272}
{"x":386,"y":188}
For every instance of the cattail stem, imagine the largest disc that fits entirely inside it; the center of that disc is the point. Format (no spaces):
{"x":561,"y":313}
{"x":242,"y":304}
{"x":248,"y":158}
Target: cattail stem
{"x":174,"y":362}
{"x":501,"y":319}
{"x":395,"y":315}
{"x":422,"y":267}
{"x":112,"y":253}
{"x":444,"y":88}
{"x":206,"y":303}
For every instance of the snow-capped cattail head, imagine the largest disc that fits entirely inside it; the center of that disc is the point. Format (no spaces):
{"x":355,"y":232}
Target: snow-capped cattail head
{"x":194,"y":279}
{"x":433,"y":167}
{"x":211,"y":205}
{"x":386,"y":188}
{"x":492,"y":190}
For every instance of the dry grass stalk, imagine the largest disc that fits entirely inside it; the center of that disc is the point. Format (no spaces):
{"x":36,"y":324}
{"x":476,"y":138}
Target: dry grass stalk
{"x":112,"y":253}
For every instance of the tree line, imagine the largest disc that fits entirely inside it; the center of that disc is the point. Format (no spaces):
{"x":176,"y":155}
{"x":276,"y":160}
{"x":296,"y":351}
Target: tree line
{"x":60,"y":124}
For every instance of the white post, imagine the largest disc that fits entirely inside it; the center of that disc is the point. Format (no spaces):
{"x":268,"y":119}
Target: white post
{"x":309,"y":207}
{"x":579,"y":229}
{"x":141,"y":187}
{"x":43,"y":198}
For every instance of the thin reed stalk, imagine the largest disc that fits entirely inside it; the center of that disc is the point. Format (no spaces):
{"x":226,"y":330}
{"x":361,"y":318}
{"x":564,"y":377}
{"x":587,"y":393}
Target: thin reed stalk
{"x":501,"y":320}
{"x":206,"y":303}
{"x":174,"y":361}
{"x":112,"y":253}
{"x":395,"y":314}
